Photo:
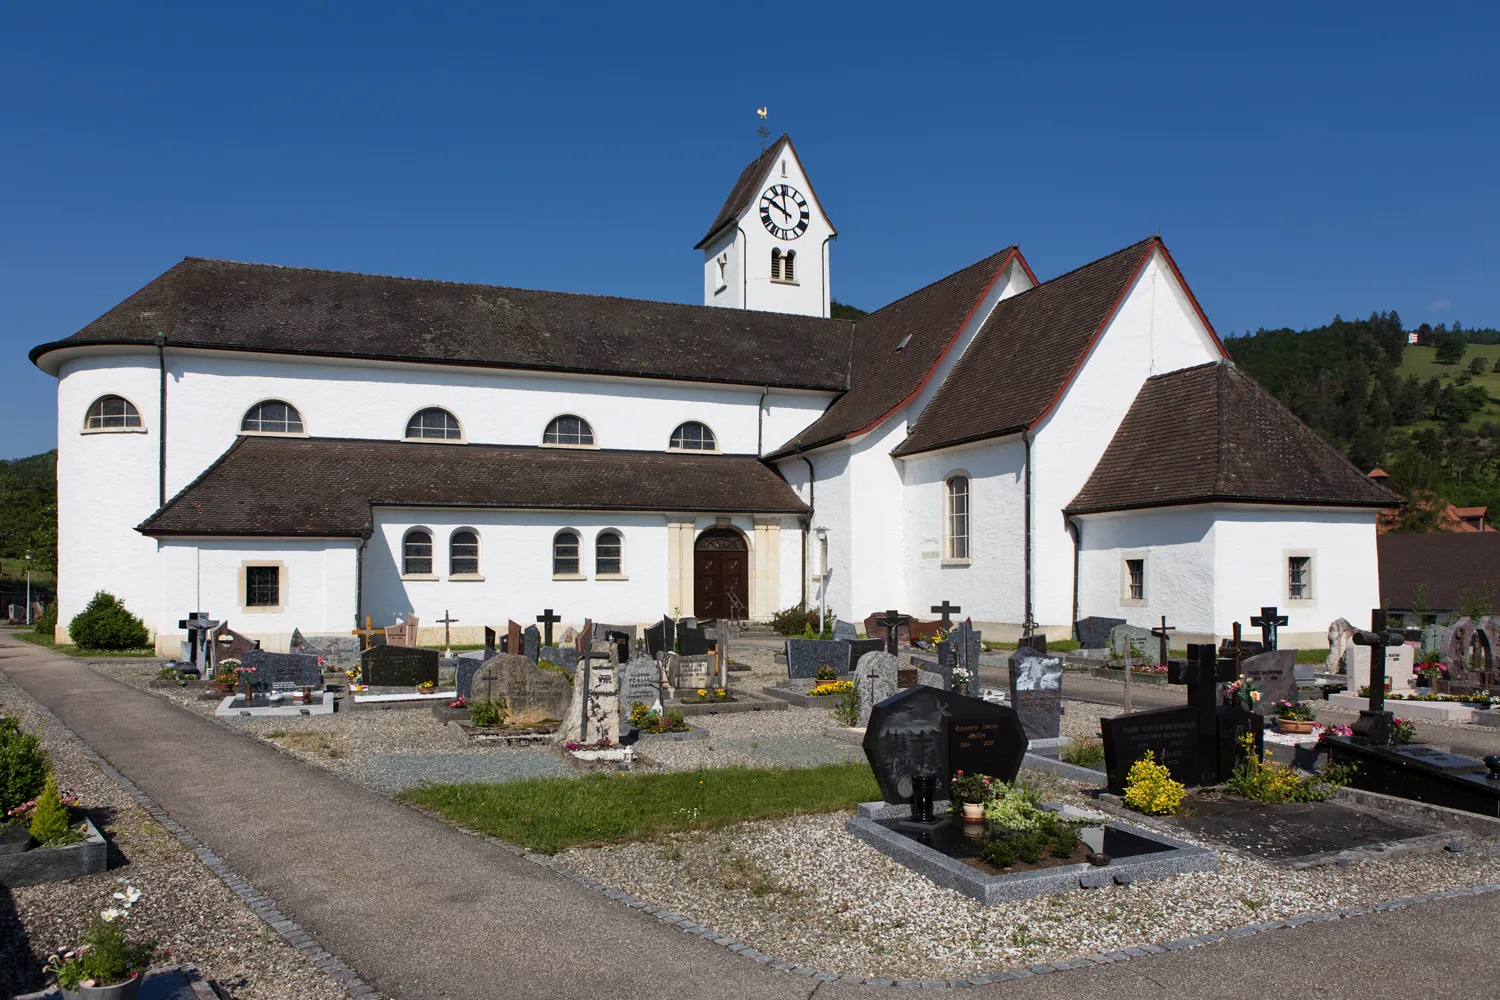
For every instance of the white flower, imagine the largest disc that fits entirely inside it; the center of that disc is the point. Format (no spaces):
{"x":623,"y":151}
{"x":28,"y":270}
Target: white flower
{"x":131,"y":896}
{"x":111,"y":914}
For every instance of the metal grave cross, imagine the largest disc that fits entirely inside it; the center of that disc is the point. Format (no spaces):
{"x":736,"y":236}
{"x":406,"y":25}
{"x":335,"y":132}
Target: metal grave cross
{"x":446,"y":621}
{"x":1238,"y":653}
{"x":1376,"y":726}
{"x":546,"y":619}
{"x":947,"y":611}
{"x":1161,"y":633}
{"x":1268,"y":621}
{"x":892,"y":623}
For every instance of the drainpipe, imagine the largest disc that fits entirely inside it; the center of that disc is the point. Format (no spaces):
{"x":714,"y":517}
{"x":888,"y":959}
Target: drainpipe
{"x":161,"y":423}
{"x":760,"y":421}
{"x":807,"y":521}
{"x":359,"y":578}
{"x":1075,"y":528}
{"x":1026,"y":442}
{"x":744,"y":242}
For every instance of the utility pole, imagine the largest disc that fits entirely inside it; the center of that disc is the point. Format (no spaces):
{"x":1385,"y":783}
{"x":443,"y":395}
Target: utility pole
{"x":28,"y":586}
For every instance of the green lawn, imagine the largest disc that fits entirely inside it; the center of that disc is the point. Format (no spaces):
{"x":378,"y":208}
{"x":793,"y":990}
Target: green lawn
{"x":1053,"y":646}
{"x":69,"y":650}
{"x":1420,"y":361}
{"x":550,"y":814}
{"x":13,"y":571}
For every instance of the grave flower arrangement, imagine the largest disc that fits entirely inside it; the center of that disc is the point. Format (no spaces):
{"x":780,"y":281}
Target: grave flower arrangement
{"x":960,"y":680}
{"x":652,"y":722}
{"x":831,"y":687}
{"x":602,"y":743}
{"x":970,"y":790}
{"x":245,"y":675}
{"x":826,"y":673}
{"x":1242,"y":693}
{"x":713,"y":694}
{"x":225,"y":679}
{"x":1264,"y":780}
{"x":489,"y":712}
{"x":426,"y":687}
{"x":459,"y":702}
{"x":107,"y":956}
{"x":1295,"y":711}
{"x":1431,"y":671}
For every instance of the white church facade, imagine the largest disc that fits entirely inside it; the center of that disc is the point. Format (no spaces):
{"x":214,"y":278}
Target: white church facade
{"x":292,"y":448}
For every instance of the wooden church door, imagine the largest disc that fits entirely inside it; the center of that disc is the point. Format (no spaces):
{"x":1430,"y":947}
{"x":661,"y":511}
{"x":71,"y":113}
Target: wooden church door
{"x":721,"y":567}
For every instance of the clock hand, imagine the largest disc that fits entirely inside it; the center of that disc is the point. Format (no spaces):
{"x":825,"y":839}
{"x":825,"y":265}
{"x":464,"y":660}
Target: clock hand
{"x":777,"y":205}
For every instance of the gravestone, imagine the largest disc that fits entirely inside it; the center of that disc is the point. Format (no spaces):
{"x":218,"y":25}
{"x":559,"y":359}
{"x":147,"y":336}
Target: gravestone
{"x":690,"y":673}
{"x":844,"y":630}
{"x":593,"y":713}
{"x":1274,"y":673}
{"x":923,"y":632}
{"x":1036,"y":642}
{"x":662,"y":637}
{"x":1093,"y":633}
{"x":879,"y":676}
{"x":531,"y":643}
{"x":1036,"y":692}
{"x":514,"y":641}
{"x":623,"y":637}
{"x":692,"y":641}
{"x":282,"y":671}
{"x":398,"y":666}
{"x":468,"y":665}
{"x":569,"y":636}
{"x":532,"y":695}
{"x":1399,"y":661}
{"x":640,"y":681}
{"x":565,"y":657}
{"x":927,"y":731}
{"x":805,"y":656}
{"x":1340,"y":640}
{"x":230,"y":645}
{"x":891,"y":626}
{"x":968,"y":644}
{"x":722,"y":635}
{"x":1125,"y":638}
{"x":859,"y":647}
{"x":1171,"y":734}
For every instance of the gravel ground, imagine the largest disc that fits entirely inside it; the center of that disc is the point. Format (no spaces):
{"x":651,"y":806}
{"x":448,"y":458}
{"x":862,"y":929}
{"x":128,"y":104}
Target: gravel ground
{"x":186,"y":908}
{"x":840,"y":906}
{"x":793,"y":738}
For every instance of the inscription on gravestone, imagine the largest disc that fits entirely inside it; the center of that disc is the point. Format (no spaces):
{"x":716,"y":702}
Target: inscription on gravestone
{"x":1274,"y":672}
{"x":1171,"y":734}
{"x":282,"y":671}
{"x":398,"y":666}
{"x":640,"y":681}
{"x":929,"y":731}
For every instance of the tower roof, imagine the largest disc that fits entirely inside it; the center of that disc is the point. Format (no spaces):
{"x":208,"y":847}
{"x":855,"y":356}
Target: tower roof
{"x":748,"y":186}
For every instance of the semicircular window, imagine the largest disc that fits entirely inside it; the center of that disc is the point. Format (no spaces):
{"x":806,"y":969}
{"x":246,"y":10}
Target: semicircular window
{"x":568,"y":429}
{"x":274,"y":416}
{"x":433,"y":423}
{"x":112,"y":413}
{"x":693,"y":436}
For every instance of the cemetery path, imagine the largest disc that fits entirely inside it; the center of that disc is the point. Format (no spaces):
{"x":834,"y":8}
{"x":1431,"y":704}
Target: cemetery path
{"x":418,"y":908}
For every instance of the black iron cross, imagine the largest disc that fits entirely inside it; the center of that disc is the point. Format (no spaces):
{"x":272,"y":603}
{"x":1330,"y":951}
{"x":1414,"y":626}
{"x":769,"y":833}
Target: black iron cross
{"x":946,"y":610}
{"x":892,"y":623}
{"x":1238,"y":650}
{"x":1268,"y":621}
{"x":1161,"y":633}
{"x":1376,"y":725}
{"x":546,"y":619}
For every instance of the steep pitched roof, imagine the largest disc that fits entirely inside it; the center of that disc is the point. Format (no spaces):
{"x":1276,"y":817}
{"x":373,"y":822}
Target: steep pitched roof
{"x":884,"y":375}
{"x":326,"y":486}
{"x":748,"y":186}
{"x":1209,"y":433}
{"x":225,"y":305}
{"x":1026,"y":354}
{"x":1454,"y":567}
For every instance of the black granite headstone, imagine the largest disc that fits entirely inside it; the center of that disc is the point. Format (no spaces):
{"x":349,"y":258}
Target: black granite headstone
{"x":805,"y":656}
{"x":282,"y":671}
{"x":398,"y":666}
{"x":693,"y":641}
{"x":928,"y":731}
{"x":859,"y":647}
{"x":1420,"y":773}
{"x":1093,"y":633}
{"x":1233,"y":725}
{"x":1170,"y":733}
{"x":531,"y":643}
{"x":1036,"y":692}
{"x":489,"y":638}
{"x":1037,"y":642}
{"x":661,"y":637}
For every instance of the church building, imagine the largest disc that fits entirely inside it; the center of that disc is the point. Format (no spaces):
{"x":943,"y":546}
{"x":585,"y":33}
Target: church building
{"x":294,"y":448}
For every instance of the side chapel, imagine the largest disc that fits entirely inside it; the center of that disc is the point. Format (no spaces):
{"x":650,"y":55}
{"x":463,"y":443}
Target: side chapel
{"x":295,"y":448}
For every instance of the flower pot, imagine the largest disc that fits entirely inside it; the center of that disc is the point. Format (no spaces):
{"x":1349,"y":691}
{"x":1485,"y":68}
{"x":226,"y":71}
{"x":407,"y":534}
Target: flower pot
{"x":1294,"y":725}
{"x":224,"y":688}
{"x":973,"y":812}
{"x":119,"y":991}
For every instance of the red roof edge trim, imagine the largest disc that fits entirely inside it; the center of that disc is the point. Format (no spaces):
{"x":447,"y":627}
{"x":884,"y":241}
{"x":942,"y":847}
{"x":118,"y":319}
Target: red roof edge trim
{"x":1109,"y":318}
{"x":1182,"y":283}
{"x":1005,"y":263}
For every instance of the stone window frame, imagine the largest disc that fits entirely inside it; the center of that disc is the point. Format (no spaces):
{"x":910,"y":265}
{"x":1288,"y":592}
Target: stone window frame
{"x":262,"y":433}
{"x":405,"y":537}
{"x":131,"y":410}
{"x":584,"y":424}
{"x":672,"y":444}
{"x":948,"y":535}
{"x":406,"y":434}
{"x":283,"y":584}
{"x":1126,"y":558}
{"x":619,"y":574}
{"x":1310,"y":584}
{"x":577,"y":573}
{"x":476,"y":576}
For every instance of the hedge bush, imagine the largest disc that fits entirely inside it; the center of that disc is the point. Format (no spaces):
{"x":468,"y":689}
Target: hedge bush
{"x":46,"y":623}
{"x":23,"y":765}
{"x":107,"y":624}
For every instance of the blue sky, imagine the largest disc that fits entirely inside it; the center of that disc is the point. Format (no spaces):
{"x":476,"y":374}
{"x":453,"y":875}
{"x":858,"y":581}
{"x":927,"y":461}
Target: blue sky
{"x":1300,"y":159}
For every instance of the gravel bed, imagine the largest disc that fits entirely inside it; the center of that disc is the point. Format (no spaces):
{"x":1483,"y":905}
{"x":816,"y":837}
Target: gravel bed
{"x":837,"y":905}
{"x":186,"y":909}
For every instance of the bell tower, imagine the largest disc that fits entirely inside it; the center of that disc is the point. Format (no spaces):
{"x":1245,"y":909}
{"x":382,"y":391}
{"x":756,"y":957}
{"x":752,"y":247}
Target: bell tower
{"x":768,"y":247}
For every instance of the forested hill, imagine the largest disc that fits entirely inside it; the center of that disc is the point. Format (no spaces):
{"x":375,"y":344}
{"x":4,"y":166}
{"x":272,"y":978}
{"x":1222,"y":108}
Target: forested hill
{"x":28,"y":508}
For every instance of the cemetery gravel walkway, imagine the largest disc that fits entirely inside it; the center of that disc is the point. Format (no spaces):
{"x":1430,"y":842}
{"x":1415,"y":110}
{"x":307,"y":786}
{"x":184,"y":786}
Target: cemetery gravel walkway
{"x":422,"y":910}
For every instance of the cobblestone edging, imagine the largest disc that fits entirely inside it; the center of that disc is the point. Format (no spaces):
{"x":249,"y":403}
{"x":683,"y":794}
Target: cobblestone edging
{"x":337,"y":969}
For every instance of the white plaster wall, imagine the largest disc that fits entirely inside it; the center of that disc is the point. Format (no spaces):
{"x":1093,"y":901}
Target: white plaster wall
{"x":1155,"y":330}
{"x":204,"y":574}
{"x":1251,"y":548}
{"x":1177,"y":544}
{"x":990,"y":587}
{"x":106,"y":485}
{"x":875,"y":526}
{"x":790,"y":587}
{"x":730,"y":295}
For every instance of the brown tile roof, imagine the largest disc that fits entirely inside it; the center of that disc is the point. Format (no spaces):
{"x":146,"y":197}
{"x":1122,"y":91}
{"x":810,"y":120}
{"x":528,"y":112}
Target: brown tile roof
{"x":882,"y":378}
{"x":226,"y":305}
{"x":748,"y":186}
{"x":326,"y":486}
{"x":1026,"y":354}
{"x":1453,"y":566}
{"x":1209,"y":433}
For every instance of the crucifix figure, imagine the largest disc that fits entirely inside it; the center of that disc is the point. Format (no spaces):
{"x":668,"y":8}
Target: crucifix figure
{"x":365,"y":633}
{"x":892,"y":623}
{"x":1268,"y":621}
{"x":200,"y":647}
{"x":947,"y":611}
{"x":1161,"y":633}
{"x":446,"y":621}
{"x":546,"y":619}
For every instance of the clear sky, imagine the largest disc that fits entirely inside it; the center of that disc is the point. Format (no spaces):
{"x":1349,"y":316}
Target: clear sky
{"x":1300,"y":159}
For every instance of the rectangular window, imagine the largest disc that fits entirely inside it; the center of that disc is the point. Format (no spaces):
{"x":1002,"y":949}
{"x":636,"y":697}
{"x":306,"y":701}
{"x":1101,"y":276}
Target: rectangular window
{"x":1299,"y":577}
{"x":1137,"y":570}
{"x":262,"y":586}
{"x":958,"y":518}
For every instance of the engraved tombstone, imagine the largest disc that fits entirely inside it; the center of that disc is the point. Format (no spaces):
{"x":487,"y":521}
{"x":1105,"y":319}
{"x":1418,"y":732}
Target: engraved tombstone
{"x":1036,"y":692}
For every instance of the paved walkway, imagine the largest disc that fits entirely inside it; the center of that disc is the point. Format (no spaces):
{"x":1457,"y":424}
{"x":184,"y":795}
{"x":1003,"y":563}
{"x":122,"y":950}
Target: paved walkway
{"x":472,"y":921}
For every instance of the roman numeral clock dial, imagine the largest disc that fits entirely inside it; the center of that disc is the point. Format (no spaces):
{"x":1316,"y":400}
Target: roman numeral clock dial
{"x":783,"y":211}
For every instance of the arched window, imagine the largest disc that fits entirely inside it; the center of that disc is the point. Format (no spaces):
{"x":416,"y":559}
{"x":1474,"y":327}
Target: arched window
{"x":112,"y":413}
{"x":789,"y":266}
{"x":463,"y":553}
{"x":693,"y":436}
{"x":568,"y":429}
{"x":416,"y":553}
{"x":274,"y":416}
{"x":433,"y":422}
{"x":608,"y":560}
{"x":776,"y":263}
{"x":956,"y":518}
{"x":565,"y":553}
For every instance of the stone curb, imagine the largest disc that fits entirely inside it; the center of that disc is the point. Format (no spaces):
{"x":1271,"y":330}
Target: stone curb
{"x":290,"y":931}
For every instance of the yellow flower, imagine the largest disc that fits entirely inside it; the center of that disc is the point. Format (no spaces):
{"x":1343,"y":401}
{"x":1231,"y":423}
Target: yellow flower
{"x":703,"y":692}
{"x":1255,"y":696}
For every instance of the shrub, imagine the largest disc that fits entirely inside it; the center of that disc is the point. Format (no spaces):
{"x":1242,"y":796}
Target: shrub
{"x":970,"y":788}
{"x":23,"y":765}
{"x":1149,"y":787}
{"x":1052,"y":835}
{"x":795,"y":620}
{"x":1084,"y":751}
{"x":846,"y":712}
{"x":1013,"y":807}
{"x":49,"y":821}
{"x":487,"y":712}
{"x":1264,"y":780}
{"x":46,"y":624}
{"x":107,"y":624}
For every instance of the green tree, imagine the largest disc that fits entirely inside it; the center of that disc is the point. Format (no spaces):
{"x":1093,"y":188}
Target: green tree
{"x":1450,"y":350}
{"x":1477,"y":365}
{"x":49,"y":821}
{"x":842,"y":310}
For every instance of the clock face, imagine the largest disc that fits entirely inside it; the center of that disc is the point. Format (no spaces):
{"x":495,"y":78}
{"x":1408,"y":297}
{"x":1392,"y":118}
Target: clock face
{"x":783,"y":211}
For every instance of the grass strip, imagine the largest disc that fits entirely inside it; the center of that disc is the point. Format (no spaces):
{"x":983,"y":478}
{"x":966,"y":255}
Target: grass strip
{"x":550,"y":814}
{"x":47,"y":642}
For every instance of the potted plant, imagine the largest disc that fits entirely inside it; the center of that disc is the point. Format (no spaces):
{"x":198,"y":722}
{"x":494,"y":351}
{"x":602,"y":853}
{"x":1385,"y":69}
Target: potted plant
{"x":108,"y":965}
{"x":1430,"y":670}
{"x":960,"y":680}
{"x":1242,"y":693}
{"x":247,"y":677}
{"x":426,"y":687}
{"x":225,"y":679}
{"x":1294,"y":717}
{"x":825,"y":673}
{"x":971,"y":792}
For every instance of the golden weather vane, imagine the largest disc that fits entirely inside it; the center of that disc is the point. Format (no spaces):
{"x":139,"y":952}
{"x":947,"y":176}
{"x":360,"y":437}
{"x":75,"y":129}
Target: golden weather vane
{"x":764,"y":135}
